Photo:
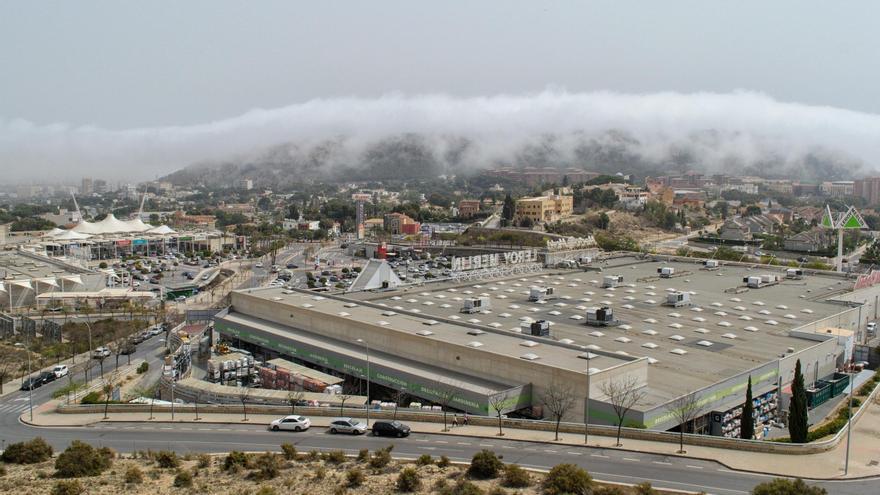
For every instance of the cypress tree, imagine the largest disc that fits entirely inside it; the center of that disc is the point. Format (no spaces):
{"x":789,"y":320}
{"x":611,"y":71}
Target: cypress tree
{"x":509,"y":208}
{"x":797,"y":409}
{"x":747,"y":424}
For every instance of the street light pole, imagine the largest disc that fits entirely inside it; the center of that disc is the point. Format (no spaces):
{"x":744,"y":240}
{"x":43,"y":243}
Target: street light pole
{"x":849,"y":424}
{"x":27,"y":348}
{"x":587,"y":404}
{"x":367,"y":347}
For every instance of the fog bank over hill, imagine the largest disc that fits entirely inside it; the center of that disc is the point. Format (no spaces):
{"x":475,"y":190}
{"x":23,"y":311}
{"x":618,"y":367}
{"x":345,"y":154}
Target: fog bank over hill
{"x":399,"y":136}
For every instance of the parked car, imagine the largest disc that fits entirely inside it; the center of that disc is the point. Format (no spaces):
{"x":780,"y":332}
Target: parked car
{"x":290,"y":266}
{"x":258,"y":264}
{"x":180,"y":298}
{"x":294,"y":423}
{"x":31,"y":383}
{"x":100,"y":352}
{"x":47,"y":377}
{"x":347,"y":425}
{"x":60,"y":370}
{"x":390,"y":429}
{"x":155,"y":329}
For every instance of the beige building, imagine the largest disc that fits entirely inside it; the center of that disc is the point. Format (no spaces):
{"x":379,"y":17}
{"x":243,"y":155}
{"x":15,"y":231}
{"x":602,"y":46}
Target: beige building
{"x":544,"y":208}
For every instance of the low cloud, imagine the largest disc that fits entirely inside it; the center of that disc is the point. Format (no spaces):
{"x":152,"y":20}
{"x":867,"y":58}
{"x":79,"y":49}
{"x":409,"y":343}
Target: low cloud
{"x":711,"y":131}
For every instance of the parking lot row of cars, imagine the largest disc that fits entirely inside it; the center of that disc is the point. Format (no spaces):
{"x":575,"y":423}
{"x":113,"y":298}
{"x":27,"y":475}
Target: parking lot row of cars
{"x":349,"y":426}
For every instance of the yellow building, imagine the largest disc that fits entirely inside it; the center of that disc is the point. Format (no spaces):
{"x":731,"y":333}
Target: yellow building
{"x":544,"y":208}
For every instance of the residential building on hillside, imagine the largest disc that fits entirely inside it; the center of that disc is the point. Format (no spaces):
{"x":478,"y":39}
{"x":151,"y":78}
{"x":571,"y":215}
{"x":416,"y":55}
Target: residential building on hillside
{"x":468,"y":207}
{"x":544,"y":208}
{"x":869,"y":189}
{"x":400,"y":223}
{"x":838,"y":188}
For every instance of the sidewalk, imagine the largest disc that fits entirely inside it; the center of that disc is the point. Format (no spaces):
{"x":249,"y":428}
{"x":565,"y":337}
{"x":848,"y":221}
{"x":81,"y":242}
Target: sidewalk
{"x":826,"y":465}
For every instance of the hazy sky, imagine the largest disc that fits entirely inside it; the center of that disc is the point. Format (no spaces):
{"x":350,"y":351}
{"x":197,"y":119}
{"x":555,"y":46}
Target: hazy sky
{"x":118,"y":65}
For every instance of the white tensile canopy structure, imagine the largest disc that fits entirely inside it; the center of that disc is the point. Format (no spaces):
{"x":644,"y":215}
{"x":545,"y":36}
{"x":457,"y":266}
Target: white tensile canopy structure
{"x":70,"y":235}
{"x":161,"y":230}
{"x":111,"y":225}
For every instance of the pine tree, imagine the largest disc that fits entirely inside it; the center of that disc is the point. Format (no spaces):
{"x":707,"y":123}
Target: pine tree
{"x":747,"y":426}
{"x":797,"y":409}
{"x":509,"y":208}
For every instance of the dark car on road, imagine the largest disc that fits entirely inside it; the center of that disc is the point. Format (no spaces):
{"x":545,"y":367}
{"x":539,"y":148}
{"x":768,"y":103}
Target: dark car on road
{"x":390,"y":429}
{"x":47,"y":376}
{"x":31,"y":383}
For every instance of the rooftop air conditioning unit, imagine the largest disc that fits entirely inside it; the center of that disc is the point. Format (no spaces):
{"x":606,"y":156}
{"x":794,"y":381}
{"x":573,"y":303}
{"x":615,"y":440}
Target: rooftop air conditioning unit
{"x":540,"y":328}
{"x":711,"y":263}
{"x":666,"y":271}
{"x":794,"y":273}
{"x":475,"y":305}
{"x":678,"y":299}
{"x":611,"y":281}
{"x":600,"y":316}
{"x":539,"y":293}
{"x":752,"y":282}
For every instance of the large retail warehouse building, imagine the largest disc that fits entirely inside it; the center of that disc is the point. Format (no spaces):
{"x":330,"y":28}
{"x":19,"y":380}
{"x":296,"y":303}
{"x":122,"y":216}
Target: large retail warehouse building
{"x":420,"y":341}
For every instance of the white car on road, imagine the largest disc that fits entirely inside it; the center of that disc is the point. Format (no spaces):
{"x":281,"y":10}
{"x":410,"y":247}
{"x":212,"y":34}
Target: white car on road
{"x":293,"y":423}
{"x":60,"y":370}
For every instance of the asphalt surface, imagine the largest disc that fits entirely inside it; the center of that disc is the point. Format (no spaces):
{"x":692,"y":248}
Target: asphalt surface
{"x":605,"y":464}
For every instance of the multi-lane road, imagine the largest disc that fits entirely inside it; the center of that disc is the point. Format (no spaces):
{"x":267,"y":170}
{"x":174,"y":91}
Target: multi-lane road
{"x":605,"y":464}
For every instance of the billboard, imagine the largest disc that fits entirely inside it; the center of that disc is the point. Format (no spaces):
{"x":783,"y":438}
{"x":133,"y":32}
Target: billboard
{"x":462,"y":263}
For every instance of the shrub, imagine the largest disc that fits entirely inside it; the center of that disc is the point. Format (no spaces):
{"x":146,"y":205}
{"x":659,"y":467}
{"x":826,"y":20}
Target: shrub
{"x":609,"y":490}
{"x":134,"y":475}
{"x":267,"y":466}
{"x":516,"y":477}
{"x":443,"y":462}
{"x":781,"y":486}
{"x":29,"y":452}
{"x":91,"y":398}
{"x":2,"y":470}
{"x":335,"y":457}
{"x":363,"y":455}
{"x":204,"y":461}
{"x":166,"y":459}
{"x":645,"y":488}
{"x":497,"y":490}
{"x":567,"y":479}
{"x":355,"y":477}
{"x":235,"y":461}
{"x":81,"y":459}
{"x":184,"y":479}
{"x":288,"y":450}
{"x":463,"y":487}
{"x":381,"y":457}
{"x":408,"y":480}
{"x":424,"y":460}
{"x":313,"y":455}
{"x":143,"y":368}
{"x":266,"y":490}
{"x":68,"y":487}
{"x":320,"y":473}
{"x":484,"y":465}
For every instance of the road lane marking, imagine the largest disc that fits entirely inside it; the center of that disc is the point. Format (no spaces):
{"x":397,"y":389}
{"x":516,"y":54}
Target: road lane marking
{"x":463,"y":443}
{"x":599,"y":455}
{"x":661,"y":462}
{"x":427,"y":448}
{"x":549,"y":451}
{"x":574,"y":453}
{"x":693,"y":467}
{"x":629,"y":459}
{"x":485,"y":445}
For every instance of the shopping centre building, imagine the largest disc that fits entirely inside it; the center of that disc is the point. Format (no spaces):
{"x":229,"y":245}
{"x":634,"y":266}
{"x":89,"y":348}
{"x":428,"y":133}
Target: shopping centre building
{"x":709,"y":342}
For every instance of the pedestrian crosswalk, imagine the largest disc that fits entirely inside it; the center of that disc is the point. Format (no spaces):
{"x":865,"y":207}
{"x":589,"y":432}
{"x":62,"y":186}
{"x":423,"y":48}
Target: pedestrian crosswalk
{"x":16,"y":406}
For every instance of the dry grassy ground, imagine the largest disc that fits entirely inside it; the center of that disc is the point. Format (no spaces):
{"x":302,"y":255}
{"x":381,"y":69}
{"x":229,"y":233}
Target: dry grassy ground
{"x":305,"y":475}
